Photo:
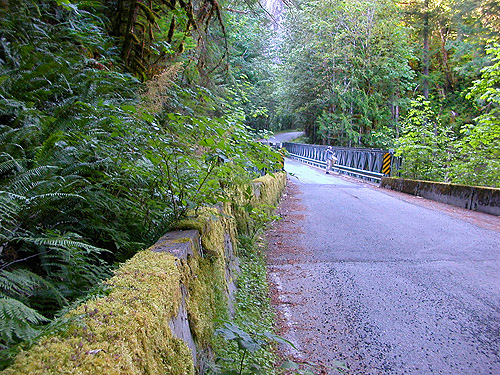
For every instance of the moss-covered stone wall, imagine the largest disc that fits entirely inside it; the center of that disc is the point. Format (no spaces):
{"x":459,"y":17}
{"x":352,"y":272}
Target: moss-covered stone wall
{"x":158,"y":315}
{"x":265,"y":190}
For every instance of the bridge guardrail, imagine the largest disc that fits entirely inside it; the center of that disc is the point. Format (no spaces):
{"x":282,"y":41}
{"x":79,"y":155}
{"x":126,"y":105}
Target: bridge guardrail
{"x":369,"y":163}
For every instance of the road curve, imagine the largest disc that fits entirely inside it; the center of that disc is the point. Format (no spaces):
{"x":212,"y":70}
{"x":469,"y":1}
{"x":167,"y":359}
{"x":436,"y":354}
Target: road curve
{"x":283,"y":137}
{"x":384,"y":284}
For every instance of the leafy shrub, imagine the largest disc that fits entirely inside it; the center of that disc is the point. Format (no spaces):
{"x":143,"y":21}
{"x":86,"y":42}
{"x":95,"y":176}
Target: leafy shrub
{"x":423,"y":143}
{"x":478,"y":153}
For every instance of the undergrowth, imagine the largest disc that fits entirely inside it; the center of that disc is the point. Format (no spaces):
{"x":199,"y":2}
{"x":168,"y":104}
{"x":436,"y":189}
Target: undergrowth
{"x":245,"y":344}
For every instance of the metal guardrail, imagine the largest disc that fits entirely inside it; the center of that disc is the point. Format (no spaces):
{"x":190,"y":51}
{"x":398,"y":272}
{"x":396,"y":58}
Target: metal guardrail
{"x":368,"y":163}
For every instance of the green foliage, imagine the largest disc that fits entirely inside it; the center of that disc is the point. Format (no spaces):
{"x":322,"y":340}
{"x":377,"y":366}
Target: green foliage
{"x":423,"y":143}
{"x":478,"y":153}
{"x":246,"y":344}
{"x":251,"y":72}
{"x":89,"y":171}
{"x":350,"y":70}
{"x":261,"y":216}
{"x":346,"y":67}
{"x":246,"y":348}
{"x":430,"y":150}
{"x":154,"y":35}
{"x":18,"y":321}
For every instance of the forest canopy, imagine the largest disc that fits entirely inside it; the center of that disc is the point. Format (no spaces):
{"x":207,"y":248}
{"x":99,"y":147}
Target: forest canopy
{"x":418,"y":76}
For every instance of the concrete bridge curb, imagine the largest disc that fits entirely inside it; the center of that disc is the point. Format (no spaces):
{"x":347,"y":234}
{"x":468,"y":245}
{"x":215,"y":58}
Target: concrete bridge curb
{"x":475,"y":198}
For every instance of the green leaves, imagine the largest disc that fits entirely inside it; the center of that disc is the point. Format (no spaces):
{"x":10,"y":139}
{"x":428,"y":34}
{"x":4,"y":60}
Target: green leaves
{"x":90,"y":173}
{"x":477,"y":159}
{"x":423,"y":143}
{"x":245,"y":342}
{"x":345,"y":64}
{"x":17,"y":321}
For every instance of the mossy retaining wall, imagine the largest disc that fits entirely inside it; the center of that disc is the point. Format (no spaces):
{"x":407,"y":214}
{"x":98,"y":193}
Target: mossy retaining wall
{"x":158,"y":315}
{"x":476,"y":198}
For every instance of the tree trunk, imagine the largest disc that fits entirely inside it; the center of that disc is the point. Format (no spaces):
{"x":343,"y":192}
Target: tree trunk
{"x":426,"y":60}
{"x":444,"y":55}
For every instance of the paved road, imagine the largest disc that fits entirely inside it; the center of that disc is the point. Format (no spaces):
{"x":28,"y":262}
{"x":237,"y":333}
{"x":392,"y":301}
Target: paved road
{"x":386,"y":284}
{"x":283,"y":137}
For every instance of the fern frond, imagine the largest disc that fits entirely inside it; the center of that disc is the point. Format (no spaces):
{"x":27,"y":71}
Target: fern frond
{"x":6,"y":131}
{"x":10,"y":165}
{"x":23,"y":182}
{"x":21,"y":283}
{"x":11,"y":308}
{"x":25,"y":133}
{"x":47,"y":148}
{"x":86,"y":167}
{"x":15,"y":283}
{"x":13,"y":196}
{"x":18,"y":321}
{"x":8,"y":211}
{"x":60,"y":243}
{"x":51,"y":198}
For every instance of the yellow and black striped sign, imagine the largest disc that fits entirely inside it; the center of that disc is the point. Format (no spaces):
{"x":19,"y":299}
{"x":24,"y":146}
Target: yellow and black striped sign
{"x":386,"y":167}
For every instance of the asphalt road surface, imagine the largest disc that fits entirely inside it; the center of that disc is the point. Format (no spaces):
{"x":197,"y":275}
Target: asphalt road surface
{"x":384,"y":282}
{"x":283,"y":137}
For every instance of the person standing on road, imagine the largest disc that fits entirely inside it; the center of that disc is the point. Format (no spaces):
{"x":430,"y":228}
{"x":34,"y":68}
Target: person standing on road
{"x":331,"y":159}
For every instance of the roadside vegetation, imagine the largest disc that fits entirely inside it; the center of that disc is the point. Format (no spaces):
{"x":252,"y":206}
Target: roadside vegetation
{"x":246,"y":343}
{"x":107,"y":139}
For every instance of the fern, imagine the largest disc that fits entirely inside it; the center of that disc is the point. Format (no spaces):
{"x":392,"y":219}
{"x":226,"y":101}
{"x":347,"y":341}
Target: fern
{"x":16,"y":283}
{"x":60,"y":243}
{"x":18,"y":321}
{"x":88,"y":175}
{"x":51,"y":198}
{"x":22,"y":183}
{"x":8,"y":212}
{"x":10,"y":165}
{"x":22,"y":283}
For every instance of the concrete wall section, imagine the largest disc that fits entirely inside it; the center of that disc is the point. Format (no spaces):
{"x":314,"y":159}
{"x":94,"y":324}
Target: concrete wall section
{"x":476,"y":198}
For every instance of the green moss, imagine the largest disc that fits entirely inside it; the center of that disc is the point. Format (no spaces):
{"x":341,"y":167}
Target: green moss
{"x":212,"y":223}
{"x":265,"y":190}
{"x":208,"y":298}
{"x":123,"y":333}
{"x":208,"y":282}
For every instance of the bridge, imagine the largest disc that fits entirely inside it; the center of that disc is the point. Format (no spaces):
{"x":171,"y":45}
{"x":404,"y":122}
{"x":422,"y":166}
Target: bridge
{"x":377,"y":165}
{"x":366,"y":163}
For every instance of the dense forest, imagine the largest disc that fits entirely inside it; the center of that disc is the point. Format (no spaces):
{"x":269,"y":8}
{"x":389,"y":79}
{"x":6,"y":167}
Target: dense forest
{"x":418,"y":76}
{"x":120,"y":117}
